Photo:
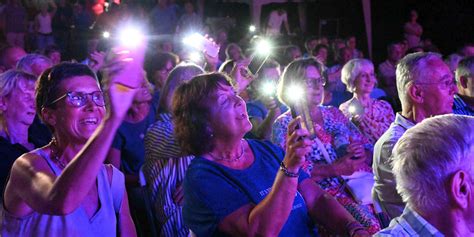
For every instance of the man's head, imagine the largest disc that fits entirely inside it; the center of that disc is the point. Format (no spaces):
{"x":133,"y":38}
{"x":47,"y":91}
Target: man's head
{"x":34,"y":64}
{"x":425,"y":85}
{"x":432,"y":164}
{"x":394,"y":52}
{"x":467,"y":50}
{"x":465,"y":77}
{"x":11,"y":55}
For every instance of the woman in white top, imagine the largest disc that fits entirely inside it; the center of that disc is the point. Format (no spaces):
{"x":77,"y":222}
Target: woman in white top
{"x":43,"y":27}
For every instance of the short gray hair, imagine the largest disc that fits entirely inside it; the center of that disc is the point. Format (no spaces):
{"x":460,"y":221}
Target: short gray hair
{"x":351,"y":71}
{"x":465,"y":68}
{"x":12,"y":79}
{"x":422,"y":166}
{"x":26,"y":62}
{"x":410,"y":69}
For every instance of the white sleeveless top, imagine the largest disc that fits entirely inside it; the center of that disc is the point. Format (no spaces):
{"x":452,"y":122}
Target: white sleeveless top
{"x":44,"y":23}
{"x":103,"y":223}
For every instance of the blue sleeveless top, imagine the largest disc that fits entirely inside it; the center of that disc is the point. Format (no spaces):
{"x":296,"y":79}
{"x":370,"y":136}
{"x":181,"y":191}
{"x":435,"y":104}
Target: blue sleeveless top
{"x":102,"y":223}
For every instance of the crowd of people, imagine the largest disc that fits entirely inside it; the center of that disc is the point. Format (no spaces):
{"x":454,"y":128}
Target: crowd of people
{"x":152,"y":140}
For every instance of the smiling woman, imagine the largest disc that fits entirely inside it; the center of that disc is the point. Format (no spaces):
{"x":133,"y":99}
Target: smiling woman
{"x":239,"y":187}
{"x":65,"y":183}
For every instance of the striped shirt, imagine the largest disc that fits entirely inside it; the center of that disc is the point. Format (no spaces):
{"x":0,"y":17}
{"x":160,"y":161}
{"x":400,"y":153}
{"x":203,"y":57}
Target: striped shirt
{"x":460,"y":107}
{"x":411,"y":224}
{"x":164,"y":170}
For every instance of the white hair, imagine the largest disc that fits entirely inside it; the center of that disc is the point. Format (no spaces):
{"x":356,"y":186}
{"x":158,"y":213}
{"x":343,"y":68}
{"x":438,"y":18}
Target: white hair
{"x":412,"y":68}
{"x":26,"y":62}
{"x":351,"y":71}
{"x":427,"y":155}
{"x":465,"y":68}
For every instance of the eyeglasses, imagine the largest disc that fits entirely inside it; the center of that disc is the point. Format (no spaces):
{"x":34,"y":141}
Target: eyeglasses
{"x":79,"y":99}
{"x":315,"y":82}
{"x":446,"y":83}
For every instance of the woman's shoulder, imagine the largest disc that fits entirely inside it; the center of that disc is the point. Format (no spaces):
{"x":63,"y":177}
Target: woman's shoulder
{"x":382,"y":104}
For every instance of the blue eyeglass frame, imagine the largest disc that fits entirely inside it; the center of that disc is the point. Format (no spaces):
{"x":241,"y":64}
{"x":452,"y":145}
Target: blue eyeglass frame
{"x":69,"y":94}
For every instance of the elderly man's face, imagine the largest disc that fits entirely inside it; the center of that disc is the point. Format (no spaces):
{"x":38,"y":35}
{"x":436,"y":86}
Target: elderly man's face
{"x":438,"y":88}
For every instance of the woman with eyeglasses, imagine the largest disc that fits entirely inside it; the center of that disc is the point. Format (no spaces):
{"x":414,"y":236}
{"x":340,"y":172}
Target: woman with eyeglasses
{"x":63,"y":188}
{"x":337,"y":148}
{"x":371,"y":116}
{"x":243,"y":187}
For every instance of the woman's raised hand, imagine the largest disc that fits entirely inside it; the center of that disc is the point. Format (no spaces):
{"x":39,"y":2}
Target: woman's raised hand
{"x":123,"y":76}
{"x":297,"y":146}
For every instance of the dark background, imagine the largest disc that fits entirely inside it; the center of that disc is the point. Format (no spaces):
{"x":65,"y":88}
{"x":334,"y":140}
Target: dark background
{"x":448,"y":23}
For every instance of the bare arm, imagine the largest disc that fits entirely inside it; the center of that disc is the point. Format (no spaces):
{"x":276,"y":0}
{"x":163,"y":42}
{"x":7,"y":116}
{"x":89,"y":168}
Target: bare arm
{"x":32,"y":186}
{"x":268,"y":217}
{"x":263,"y":128}
{"x":324,"y":209}
{"x":126,"y":225}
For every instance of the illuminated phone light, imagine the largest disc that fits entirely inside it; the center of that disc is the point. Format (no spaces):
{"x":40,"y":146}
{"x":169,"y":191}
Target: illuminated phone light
{"x":268,"y":88}
{"x":131,"y":37}
{"x":195,"y":57}
{"x":352,"y":109}
{"x":106,"y":34}
{"x":264,"y":47}
{"x":193,"y":39}
{"x":295,"y":93}
{"x":252,"y":28}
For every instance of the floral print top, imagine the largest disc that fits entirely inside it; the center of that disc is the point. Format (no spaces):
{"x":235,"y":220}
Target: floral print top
{"x":375,"y":120}
{"x":334,"y":135}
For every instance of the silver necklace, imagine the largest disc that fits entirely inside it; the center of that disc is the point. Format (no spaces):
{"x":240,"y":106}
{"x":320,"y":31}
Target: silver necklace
{"x":54,"y":154}
{"x":230,"y":160}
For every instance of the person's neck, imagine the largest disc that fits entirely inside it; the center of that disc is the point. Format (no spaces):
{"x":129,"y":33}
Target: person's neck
{"x":450,"y":223}
{"x":363,"y":98}
{"x":316,"y":115}
{"x":414,"y":114}
{"x":468,"y":100}
{"x":17,"y":133}
{"x":393,"y":62}
{"x":66,"y":149}
{"x":227,"y":148}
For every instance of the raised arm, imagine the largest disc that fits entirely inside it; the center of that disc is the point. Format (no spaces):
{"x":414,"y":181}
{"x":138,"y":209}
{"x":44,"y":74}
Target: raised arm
{"x":32,"y":186}
{"x":269,"y":216}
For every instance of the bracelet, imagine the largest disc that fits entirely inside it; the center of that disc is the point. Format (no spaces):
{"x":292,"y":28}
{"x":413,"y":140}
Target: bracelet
{"x":353,"y":226}
{"x":288,"y":173}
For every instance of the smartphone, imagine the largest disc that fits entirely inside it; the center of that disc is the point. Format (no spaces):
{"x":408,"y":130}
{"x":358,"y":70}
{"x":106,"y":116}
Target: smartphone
{"x":256,"y":63}
{"x":203,"y":44}
{"x":301,"y":109}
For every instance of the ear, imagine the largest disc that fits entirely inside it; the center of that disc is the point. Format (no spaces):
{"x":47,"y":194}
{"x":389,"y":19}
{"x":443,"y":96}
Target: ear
{"x":460,"y":189}
{"x":415,"y":93}
{"x":48,"y":116}
{"x":463,"y":81}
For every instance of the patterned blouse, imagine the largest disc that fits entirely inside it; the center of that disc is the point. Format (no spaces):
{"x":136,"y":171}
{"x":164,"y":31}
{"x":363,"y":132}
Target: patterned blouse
{"x":376,"y":118}
{"x":334,"y":135}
